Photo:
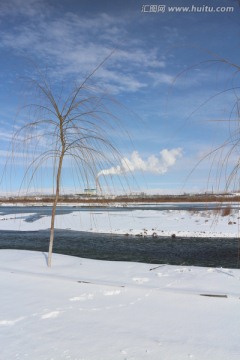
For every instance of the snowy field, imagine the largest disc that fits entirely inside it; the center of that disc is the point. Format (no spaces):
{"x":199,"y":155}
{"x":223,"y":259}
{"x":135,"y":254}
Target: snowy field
{"x":204,"y":223}
{"x":84,"y":309}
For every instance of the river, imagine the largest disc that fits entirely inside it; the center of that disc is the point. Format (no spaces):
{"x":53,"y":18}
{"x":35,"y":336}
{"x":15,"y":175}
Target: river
{"x":214,"y":252}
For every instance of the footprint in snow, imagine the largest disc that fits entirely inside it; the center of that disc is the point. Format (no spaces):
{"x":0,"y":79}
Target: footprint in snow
{"x":183,"y":270}
{"x":11,"y":322}
{"x":83,"y":297}
{"x":51,"y":315}
{"x":124,"y":352}
{"x":161,"y":274}
{"x":112,"y":292}
{"x":140,"y":280}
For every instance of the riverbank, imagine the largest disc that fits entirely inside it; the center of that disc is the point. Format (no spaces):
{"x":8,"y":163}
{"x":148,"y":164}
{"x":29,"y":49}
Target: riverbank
{"x":115,"y":200}
{"x":171,"y":222}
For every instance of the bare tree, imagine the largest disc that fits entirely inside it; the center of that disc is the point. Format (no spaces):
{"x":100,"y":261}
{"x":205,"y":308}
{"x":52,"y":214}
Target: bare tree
{"x":224,"y":157}
{"x":74,"y":126}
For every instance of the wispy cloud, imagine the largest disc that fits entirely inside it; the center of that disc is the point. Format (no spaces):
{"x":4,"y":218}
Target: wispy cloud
{"x":75,"y":45}
{"x":161,"y":78}
{"x":5,"y":135}
{"x":29,"y":8}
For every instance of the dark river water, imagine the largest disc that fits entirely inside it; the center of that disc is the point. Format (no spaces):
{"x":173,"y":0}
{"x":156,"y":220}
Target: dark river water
{"x":215,"y":252}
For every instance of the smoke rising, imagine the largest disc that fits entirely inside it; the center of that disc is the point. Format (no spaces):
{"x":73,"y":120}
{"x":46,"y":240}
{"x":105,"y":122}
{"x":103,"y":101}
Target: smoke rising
{"x":154,"y":164}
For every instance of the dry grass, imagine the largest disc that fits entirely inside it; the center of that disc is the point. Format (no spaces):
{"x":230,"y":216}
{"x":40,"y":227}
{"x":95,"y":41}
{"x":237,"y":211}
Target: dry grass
{"x":226,"y":211}
{"x":130,"y":199}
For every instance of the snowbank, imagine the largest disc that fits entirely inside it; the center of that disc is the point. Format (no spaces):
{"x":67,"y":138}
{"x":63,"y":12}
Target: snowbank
{"x":95,"y":310}
{"x":133,"y":222}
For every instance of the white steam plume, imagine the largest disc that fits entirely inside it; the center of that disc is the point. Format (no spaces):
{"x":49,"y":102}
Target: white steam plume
{"x":154,"y":164}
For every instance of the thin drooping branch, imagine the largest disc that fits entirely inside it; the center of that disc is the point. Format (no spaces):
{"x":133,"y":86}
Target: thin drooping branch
{"x":75,"y":127}
{"x":225,"y":157}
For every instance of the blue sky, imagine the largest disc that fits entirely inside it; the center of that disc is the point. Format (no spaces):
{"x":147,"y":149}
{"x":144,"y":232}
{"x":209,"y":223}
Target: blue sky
{"x":163,"y":71}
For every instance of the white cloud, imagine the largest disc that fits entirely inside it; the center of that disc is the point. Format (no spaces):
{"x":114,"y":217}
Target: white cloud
{"x":5,"y":135}
{"x":28,"y":8}
{"x":74,"y":45}
{"x":153,"y":164}
{"x":161,"y":78}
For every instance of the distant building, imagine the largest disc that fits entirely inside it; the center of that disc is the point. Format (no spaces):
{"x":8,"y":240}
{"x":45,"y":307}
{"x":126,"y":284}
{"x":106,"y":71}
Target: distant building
{"x":90,"y":191}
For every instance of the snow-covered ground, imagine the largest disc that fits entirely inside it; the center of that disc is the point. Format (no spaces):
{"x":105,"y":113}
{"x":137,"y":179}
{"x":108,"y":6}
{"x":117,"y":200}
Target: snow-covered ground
{"x":84,"y":309}
{"x":204,"y":223}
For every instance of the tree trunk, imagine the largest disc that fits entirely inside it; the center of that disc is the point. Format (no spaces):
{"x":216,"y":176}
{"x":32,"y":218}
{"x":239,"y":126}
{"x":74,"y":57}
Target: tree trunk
{"x":57,"y":189}
{"x":54,"y":209}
